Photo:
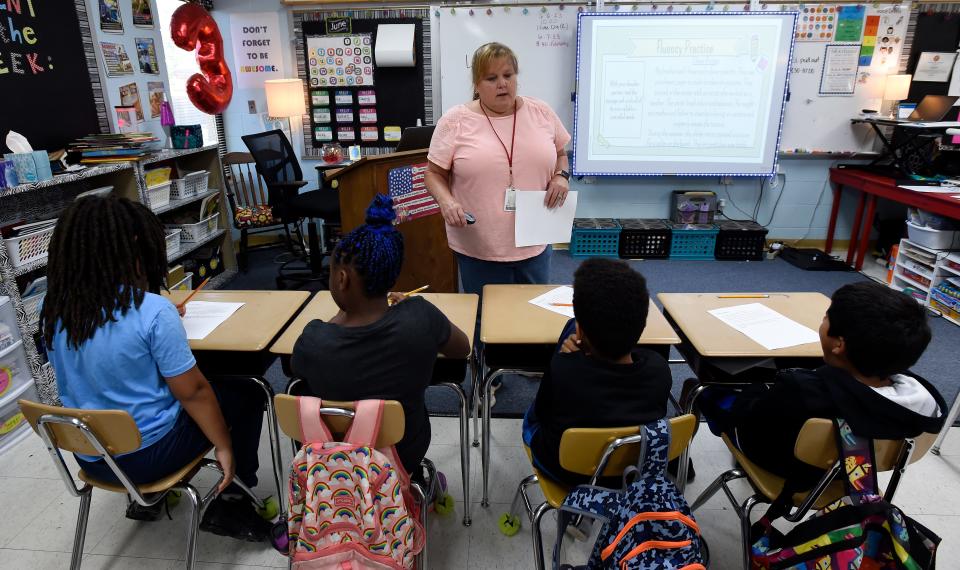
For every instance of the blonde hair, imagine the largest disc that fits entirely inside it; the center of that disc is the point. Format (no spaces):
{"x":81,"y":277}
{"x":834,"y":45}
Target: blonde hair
{"x":484,"y":56}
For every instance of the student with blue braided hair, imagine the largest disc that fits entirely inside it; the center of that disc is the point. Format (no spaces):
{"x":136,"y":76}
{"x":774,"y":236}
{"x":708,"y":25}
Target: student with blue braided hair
{"x":372,"y":349}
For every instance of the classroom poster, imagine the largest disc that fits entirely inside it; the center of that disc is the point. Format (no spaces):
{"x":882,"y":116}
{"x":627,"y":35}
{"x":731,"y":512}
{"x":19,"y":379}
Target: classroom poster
{"x":142,"y":14}
{"x":850,"y":23}
{"x":147,"y":56}
{"x":934,"y":66}
{"x":130,"y":97}
{"x":257,"y":52}
{"x":115,"y":59}
{"x":340,"y":60}
{"x":155,"y":96}
{"x":110,"y":20}
{"x":817,"y":23}
{"x":869,"y":45}
{"x":839,"y":75}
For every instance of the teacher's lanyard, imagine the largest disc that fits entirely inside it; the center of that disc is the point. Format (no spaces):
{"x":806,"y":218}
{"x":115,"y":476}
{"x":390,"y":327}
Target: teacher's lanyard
{"x":513,"y":137}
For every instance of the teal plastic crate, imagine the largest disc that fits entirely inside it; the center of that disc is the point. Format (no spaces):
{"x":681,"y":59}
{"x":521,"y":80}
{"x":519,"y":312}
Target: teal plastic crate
{"x":595,"y":237}
{"x":693,"y":241}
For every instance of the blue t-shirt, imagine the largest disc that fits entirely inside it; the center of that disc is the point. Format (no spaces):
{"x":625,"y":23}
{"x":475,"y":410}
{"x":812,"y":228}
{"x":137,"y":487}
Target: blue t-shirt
{"x":123,"y":366}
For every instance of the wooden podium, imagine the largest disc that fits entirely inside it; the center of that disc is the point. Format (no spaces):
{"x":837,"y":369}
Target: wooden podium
{"x":427,"y":260}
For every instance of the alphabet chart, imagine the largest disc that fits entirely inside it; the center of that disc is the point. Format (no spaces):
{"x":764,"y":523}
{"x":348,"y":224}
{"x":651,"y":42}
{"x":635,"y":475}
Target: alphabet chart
{"x":334,"y":61}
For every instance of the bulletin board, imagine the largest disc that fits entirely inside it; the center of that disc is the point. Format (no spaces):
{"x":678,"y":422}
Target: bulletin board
{"x":544,"y":39}
{"x":48,"y":75}
{"x":350,"y":99}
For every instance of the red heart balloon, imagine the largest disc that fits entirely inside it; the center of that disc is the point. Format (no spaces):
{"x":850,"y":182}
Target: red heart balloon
{"x":191,"y":27}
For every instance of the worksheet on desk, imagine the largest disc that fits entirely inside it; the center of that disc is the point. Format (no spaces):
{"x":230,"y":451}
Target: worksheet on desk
{"x":766,"y":327}
{"x":559,"y":300}
{"x":203,"y":317}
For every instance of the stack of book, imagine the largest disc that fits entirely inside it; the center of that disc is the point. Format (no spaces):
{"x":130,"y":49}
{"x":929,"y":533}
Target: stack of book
{"x":115,"y":147}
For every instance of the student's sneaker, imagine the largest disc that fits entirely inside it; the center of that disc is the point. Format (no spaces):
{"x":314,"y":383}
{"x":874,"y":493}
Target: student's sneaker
{"x":137,"y":512}
{"x":236,"y":518}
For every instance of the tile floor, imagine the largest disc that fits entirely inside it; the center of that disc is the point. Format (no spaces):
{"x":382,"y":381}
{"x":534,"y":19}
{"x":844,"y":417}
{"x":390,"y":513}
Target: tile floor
{"x":37,"y":515}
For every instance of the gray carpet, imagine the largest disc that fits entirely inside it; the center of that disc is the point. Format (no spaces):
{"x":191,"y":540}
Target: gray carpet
{"x":938,"y":364}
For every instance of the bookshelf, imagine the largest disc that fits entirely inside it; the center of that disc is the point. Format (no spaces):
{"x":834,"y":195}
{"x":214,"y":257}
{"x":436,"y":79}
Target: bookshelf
{"x":38,"y":200}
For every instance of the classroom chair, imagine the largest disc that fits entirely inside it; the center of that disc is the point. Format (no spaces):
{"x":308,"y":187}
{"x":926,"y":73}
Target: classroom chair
{"x":596,"y":452}
{"x":297,"y":387}
{"x":337,"y":416}
{"x":816,"y":445}
{"x":107,"y":433}
{"x":249,"y":206}
{"x":278,"y":165}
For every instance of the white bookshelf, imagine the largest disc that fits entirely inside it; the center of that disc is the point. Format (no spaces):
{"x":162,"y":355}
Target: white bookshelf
{"x":918,"y":271}
{"x":948,"y":267}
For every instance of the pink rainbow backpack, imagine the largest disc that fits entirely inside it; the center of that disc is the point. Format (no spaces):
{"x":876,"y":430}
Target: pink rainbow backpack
{"x":348,"y":501}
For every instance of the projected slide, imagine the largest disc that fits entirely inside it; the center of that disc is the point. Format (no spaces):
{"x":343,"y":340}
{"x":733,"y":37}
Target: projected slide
{"x":680,"y":94}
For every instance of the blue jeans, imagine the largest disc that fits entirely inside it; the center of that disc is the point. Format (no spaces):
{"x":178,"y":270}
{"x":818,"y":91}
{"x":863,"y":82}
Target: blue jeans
{"x":242,"y":404}
{"x":475,"y":273}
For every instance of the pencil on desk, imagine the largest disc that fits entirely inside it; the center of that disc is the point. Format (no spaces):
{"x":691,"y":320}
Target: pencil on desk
{"x":415,"y":291}
{"x":561,"y":304}
{"x":194,"y":292}
{"x":747,"y":296}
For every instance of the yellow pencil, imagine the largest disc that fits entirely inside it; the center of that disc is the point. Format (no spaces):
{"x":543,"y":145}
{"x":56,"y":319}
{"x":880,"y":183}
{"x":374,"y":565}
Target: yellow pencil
{"x":415,"y":291}
{"x":194,"y":292}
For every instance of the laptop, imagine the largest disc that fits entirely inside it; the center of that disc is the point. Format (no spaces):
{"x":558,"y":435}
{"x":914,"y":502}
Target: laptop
{"x":415,"y":138}
{"x":932,"y":108}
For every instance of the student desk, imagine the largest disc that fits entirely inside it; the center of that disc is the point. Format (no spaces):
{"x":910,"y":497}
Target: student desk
{"x":238,"y":347}
{"x":520,"y":338}
{"x":718,"y":354}
{"x":461,"y":309}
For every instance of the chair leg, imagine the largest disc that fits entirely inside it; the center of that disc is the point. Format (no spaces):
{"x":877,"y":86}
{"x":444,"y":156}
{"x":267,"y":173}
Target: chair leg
{"x":420,"y":496}
{"x":242,"y":259}
{"x":951,"y":417}
{"x":81,"y":534}
{"x":521,"y":494}
{"x":194,"y":497}
{"x":537,"y":536}
{"x":718,"y":483}
{"x":747,"y":508}
{"x":464,"y":449}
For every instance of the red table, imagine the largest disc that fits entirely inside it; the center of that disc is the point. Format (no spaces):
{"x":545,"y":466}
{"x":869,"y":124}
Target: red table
{"x":873,"y":186}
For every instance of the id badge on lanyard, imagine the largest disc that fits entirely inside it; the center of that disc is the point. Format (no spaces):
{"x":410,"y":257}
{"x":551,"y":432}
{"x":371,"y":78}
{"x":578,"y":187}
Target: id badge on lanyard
{"x":510,"y":199}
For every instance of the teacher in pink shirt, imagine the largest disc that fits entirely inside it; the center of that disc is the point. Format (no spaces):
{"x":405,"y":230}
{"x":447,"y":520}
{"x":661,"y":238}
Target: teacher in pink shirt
{"x":481,"y":154}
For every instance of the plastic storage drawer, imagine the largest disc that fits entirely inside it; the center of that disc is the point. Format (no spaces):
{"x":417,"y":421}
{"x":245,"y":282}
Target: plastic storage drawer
{"x":13,"y":426}
{"x":14,"y":371}
{"x":9,"y":332}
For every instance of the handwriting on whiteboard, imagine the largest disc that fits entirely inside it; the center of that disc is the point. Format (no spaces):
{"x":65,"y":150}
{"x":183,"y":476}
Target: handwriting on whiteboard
{"x":553,"y":32}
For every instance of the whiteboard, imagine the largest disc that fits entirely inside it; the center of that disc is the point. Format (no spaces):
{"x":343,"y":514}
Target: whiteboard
{"x":543,"y":38}
{"x":548,"y":72}
{"x":692,"y":93}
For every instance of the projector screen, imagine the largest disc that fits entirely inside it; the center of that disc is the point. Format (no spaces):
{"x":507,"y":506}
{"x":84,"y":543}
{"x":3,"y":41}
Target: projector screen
{"x":680,"y":93}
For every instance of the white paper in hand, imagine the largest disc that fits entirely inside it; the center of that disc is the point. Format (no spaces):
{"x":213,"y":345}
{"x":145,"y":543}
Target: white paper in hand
{"x":204,"y":316}
{"x":538,"y":225}
{"x":559,"y":300}
{"x":766,"y":327}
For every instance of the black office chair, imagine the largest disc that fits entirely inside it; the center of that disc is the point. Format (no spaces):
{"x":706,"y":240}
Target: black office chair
{"x":280,"y":169}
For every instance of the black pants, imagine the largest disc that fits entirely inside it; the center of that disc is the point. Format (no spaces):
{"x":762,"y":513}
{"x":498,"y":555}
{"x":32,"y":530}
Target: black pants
{"x":242,"y":404}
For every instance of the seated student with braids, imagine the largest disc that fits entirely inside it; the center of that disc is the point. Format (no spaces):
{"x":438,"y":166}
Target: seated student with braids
{"x":116,"y":344}
{"x":371,"y":349}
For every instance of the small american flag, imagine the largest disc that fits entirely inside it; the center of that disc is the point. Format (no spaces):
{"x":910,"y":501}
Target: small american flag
{"x":409,"y":192}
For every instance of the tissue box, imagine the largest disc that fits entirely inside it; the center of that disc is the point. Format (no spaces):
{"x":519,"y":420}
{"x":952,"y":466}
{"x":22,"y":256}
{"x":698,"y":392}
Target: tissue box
{"x":30,"y":166}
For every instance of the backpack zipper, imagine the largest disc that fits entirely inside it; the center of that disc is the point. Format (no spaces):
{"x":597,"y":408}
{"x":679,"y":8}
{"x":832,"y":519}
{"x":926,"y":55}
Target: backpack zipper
{"x":657,"y":516}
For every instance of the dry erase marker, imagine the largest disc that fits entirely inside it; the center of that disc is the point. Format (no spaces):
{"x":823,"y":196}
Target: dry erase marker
{"x":743,"y":296}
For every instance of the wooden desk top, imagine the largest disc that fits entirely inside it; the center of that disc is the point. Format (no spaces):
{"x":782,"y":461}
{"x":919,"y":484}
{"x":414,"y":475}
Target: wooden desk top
{"x":461,"y":309}
{"x":507,"y":317}
{"x":712,"y":337}
{"x":254,"y":325}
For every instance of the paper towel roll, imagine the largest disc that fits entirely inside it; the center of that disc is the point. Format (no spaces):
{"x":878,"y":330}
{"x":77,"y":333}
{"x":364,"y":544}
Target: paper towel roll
{"x":395,"y":45}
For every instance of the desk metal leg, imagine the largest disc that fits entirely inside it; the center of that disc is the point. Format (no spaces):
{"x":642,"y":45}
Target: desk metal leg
{"x":464,"y":448}
{"x":478,"y":373}
{"x":684,"y":461}
{"x":856,"y":228}
{"x":485,"y":448}
{"x":865,"y":236}
{"x":834,"y":212}
{"x":274,"y":441}
{"x":951,"y":417}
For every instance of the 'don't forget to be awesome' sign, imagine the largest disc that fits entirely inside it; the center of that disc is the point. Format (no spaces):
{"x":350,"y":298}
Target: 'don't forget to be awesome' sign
{"x":256,"y":48}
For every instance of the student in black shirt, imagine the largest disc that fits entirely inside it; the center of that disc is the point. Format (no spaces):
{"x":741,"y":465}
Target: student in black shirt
{"x":598,"y":377}
{"x":372,"y":349}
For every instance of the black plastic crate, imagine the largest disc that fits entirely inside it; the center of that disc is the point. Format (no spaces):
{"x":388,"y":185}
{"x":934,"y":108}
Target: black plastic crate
{"x":741,"y":241}
{"x":645,"y":239}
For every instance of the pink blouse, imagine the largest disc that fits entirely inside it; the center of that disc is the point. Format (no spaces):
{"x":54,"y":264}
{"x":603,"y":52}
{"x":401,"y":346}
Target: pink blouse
{"x":465,"y":144}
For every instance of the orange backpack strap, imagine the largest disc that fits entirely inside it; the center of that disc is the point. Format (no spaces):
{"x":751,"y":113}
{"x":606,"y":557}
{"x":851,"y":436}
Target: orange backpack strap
{"x":312,"y":427}
{"x":365,"y":426}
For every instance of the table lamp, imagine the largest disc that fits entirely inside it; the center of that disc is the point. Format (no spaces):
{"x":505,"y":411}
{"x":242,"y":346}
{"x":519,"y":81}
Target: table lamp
{"x":897,"y":89}
{"x":285,"y":98}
